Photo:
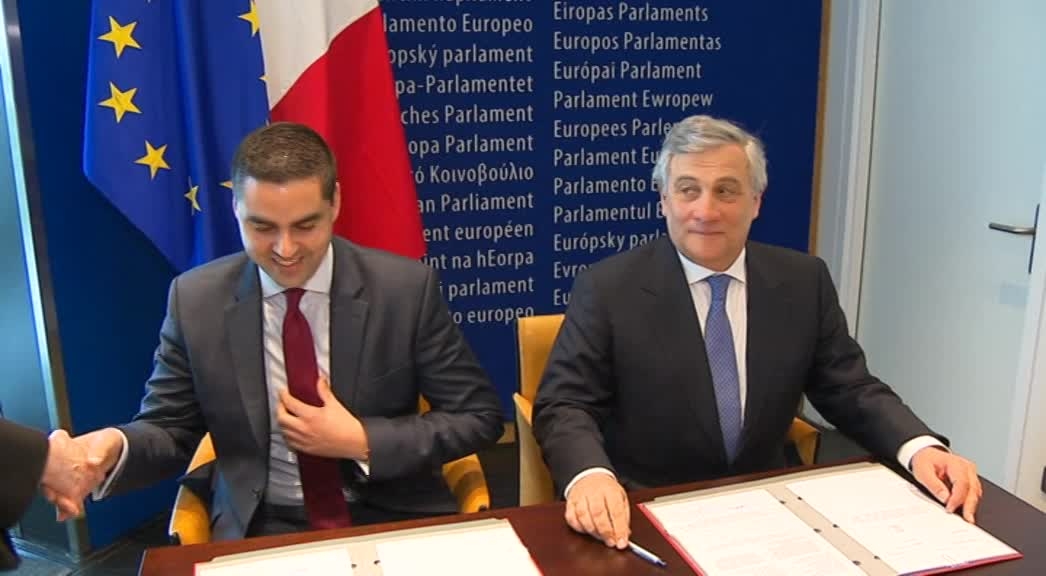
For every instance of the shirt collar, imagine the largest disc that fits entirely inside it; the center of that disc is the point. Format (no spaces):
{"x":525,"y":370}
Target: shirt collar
{"x":696,"y":272}
{"x":319,"y":282}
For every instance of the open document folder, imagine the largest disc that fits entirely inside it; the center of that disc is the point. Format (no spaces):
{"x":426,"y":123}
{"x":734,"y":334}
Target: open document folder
{"x":851,"y":520}
{"x":475,"y":548}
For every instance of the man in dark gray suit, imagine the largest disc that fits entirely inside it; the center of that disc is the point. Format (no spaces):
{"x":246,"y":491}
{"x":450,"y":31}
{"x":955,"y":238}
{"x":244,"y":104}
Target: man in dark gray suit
{"x":685,"y":359}
{"x":304,"y":357}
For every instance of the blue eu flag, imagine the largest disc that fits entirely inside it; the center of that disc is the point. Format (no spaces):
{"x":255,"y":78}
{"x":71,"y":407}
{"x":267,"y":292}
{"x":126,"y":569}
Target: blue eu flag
{"x":172,"y":87}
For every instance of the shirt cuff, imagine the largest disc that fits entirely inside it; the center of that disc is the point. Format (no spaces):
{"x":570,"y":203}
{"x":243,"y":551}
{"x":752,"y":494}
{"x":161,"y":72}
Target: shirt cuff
{"x":365,"y":467}
{"x":909,"y":448}
{"x":582,"y":474}
{"x":103,"y":490}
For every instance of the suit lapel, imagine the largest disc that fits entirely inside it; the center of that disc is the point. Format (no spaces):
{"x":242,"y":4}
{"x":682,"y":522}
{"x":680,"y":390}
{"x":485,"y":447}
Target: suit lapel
{"x":681,"y":343}
{"x":243,"y":324}
{"x":768,"y":306}
{"x":348,"y":321}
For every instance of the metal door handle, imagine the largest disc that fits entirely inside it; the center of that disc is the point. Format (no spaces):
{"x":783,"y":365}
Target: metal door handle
{"x":1019,"y":230}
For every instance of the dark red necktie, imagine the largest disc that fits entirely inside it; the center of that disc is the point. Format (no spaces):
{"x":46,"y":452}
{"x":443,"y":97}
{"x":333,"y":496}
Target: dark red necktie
{"x":321,"y":478}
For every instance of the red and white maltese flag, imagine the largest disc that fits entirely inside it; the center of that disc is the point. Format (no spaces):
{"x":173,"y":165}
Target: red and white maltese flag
{"x":327,"y":66}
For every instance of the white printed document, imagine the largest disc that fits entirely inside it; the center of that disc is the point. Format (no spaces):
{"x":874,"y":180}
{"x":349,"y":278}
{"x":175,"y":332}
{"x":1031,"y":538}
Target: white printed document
{"x":749,"y":533}
{"x":496,"y":550}
{"x":477,"y":547}
{"x":332,"y":561}
{"x":892,"y":519}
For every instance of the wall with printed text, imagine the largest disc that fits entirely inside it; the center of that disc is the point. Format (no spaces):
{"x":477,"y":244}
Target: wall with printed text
{"x":533,"y":127}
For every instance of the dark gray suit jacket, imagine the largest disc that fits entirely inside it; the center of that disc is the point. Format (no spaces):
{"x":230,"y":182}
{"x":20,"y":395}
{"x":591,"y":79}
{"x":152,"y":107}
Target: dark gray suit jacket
{"x":392,"y":338}
{"x":628,"y":386}
{"x":25,"y":454}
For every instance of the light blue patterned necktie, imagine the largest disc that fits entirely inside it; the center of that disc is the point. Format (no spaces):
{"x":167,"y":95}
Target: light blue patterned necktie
{"x":722,"y":361}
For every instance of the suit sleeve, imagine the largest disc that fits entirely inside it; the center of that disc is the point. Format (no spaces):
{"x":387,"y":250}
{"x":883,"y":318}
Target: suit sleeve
{"x":843,"y":390}
{"x":576,"y":392}
{"x":465,"y":413}
{"x":164,"y":434}
{"x":26,"y":454}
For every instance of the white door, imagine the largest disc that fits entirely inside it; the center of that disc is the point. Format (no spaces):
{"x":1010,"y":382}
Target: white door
{"x":958,"y":141}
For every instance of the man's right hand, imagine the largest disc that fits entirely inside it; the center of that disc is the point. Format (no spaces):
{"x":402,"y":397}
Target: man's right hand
{"x":597,"y":505}
{"x":97,"y":452}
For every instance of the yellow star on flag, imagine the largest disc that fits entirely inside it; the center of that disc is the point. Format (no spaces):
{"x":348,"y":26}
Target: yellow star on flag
{"x":227,"y":184}
{"x":191,"y":195}
{"x":252,"y":17}
{"x":120,"y":101}
{"x":153,"y":159}
{"x":121,"y":36}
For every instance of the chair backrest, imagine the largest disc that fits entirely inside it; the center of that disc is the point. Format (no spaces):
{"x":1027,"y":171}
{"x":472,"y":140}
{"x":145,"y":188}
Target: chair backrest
{"x":190,"y":518}
{"x":534,"y":338}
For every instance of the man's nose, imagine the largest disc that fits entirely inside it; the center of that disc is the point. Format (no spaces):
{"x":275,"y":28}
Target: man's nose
{"x":284,"y":245}
{"x":705,"y":207}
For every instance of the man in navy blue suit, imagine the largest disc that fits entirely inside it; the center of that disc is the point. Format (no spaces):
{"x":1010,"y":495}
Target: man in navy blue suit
{"x":685,"y":359}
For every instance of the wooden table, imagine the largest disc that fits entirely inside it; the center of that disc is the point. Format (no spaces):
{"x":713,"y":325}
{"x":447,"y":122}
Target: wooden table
{"x":558,"y":550}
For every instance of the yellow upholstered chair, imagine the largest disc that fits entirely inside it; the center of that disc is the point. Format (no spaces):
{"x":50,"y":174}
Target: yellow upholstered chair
{"x":190,"y":519}
{"x":806,"y":439}
{"x":534,"y":338}
{"x":465,"y":478}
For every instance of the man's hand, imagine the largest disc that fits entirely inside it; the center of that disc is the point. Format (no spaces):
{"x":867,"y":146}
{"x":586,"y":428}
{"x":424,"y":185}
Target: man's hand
{"x":71,"y":473}
{"x":597,"y":505}
{"x":950,"y":478}
{"x":328,"y":430}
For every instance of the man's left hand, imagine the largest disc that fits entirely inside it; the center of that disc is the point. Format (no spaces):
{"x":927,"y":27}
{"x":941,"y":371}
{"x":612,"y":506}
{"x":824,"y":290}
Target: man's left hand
{"x":950,"y":478}
{"x":329,"y":430}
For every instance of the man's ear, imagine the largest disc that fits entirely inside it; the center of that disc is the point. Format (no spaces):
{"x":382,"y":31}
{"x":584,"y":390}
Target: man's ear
{"x":336,"y":200}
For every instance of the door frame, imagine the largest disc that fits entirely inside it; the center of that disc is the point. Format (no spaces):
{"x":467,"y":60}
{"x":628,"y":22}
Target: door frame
{"x":847,"y":146}
{"x":1028,"y":417}
{"x":846,"y":152}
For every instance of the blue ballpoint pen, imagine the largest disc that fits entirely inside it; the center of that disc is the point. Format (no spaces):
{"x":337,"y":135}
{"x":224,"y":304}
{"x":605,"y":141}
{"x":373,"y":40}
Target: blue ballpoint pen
{"x":645,"y":554}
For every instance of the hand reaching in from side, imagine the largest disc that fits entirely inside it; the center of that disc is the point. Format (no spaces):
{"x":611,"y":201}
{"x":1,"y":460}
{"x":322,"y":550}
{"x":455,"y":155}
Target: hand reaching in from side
{"x":76,"y":466}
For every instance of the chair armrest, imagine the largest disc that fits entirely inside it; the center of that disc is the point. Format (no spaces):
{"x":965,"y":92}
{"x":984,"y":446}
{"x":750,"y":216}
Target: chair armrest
{"x":467,"y":482}
{"x":806,"y":439}
{"x":535,"y":482}
{"x":524,"y":409}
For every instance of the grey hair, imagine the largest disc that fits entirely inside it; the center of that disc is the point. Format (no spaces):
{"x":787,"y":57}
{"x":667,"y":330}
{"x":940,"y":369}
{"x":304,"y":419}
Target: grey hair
{"x":700,"y":133}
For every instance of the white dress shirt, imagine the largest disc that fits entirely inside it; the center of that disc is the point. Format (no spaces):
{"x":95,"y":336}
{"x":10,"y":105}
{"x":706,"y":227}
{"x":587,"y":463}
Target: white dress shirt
{"x":284,"y":482}
{"x":284,"y":485}
{"x":737,"y":313}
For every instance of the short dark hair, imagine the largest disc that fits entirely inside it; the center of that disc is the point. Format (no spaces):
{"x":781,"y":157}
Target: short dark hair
{"x":281,"y":152}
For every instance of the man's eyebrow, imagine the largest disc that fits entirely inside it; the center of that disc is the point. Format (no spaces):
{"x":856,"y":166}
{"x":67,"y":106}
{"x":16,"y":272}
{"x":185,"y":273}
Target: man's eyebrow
{"x":254,"y":219}
{"x":308,"y":219}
